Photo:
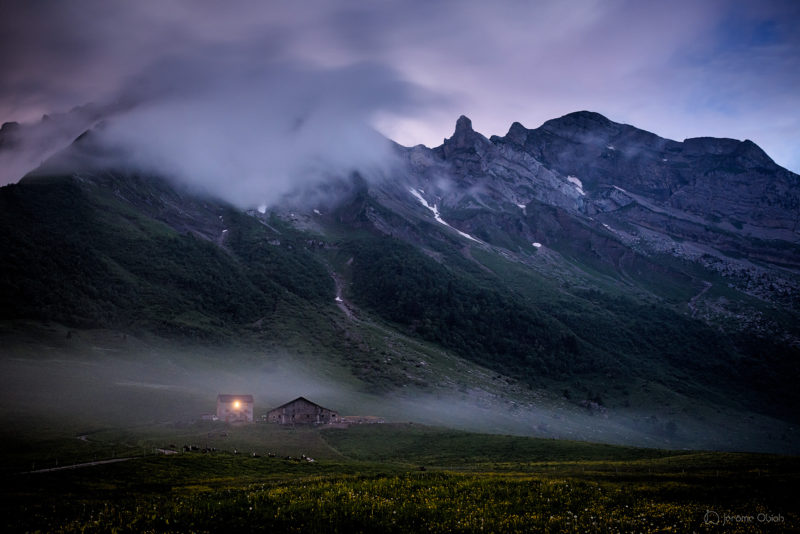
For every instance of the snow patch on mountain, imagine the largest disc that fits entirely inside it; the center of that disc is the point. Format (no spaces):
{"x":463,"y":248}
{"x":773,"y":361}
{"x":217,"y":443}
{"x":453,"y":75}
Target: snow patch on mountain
{"x":577,"y":183}
{"x":435,"y":210}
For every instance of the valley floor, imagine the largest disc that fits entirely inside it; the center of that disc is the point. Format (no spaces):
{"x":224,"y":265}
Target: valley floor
{"x":401,"y":478}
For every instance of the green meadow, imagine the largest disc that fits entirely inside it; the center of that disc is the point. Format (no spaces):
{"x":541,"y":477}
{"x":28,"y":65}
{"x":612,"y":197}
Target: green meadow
{"x":61,"y":411}
{"x":387,"y":478}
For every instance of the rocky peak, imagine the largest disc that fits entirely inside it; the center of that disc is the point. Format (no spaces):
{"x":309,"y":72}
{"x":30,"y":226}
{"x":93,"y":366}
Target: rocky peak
{"x":716,"y":146}
{"x":464,"y":138}
{"x":746,"y":152}
{"x":464,"y":135}
{"x":463,"y":124}
{"x":517,"y":134}
{"x":579,"y":121}
{"x":751,"y":152}
{"x":586,"y":116}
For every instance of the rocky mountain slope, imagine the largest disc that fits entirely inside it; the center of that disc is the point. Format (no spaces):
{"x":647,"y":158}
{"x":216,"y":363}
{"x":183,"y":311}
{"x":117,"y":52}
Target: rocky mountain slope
{"x":588,"y":266}
{"x":700,"y":213}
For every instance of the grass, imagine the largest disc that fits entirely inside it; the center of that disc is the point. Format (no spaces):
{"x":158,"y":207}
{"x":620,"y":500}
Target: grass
{"x":365,"y":478}
{"x":195,"y":492}
{"x":457,"y":449}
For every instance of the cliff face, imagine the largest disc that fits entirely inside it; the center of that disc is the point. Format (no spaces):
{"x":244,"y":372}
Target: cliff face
{"x":589,"y":166}
{"x":726,"y":179}
{"x":624,"y":200}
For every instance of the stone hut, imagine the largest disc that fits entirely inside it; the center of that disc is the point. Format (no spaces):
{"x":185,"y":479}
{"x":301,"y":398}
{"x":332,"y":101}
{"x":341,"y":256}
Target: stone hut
{"x":302,"y":411}
{"x":235,"y":408}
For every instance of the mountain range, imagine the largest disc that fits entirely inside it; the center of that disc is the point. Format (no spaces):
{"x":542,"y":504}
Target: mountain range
{"x":638,"y":288}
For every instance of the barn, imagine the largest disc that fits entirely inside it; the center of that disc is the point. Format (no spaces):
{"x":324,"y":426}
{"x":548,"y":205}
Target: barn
{"x":235,"y":408}
{"x":300,"y":411}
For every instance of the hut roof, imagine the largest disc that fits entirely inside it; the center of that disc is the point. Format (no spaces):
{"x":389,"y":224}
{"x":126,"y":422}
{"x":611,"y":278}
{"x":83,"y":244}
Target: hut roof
{"x":303,"y":399}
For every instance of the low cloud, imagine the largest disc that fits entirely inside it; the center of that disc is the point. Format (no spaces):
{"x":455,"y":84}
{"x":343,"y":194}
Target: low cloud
{"x":125,"y":390}
{"x":249,"y":132}
{"x":24,"y":147}
{"x":252,"y":137}
{"x":223,"y":103}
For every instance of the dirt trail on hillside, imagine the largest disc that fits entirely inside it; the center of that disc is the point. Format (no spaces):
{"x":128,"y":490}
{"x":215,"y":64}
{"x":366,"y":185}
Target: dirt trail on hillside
{"x":77,"y":466}
{"x":693,"y":301}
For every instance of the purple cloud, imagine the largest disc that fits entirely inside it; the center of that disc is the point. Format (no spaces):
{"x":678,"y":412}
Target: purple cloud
{"x":679,"y":69}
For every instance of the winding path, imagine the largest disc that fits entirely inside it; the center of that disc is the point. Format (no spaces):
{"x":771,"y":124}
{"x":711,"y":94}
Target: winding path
{"x":77,"y":466}
{"x":692,"y":302}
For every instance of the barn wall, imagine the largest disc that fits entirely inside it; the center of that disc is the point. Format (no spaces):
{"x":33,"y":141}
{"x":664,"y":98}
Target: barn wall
{"x":227,"y":412}
{"x":301,"y":412}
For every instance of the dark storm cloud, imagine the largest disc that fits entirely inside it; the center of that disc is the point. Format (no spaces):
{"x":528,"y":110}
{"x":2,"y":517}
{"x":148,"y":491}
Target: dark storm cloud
{"x":225,"y":105}
{"x":60,"y":54}
{"x":200,"y":71}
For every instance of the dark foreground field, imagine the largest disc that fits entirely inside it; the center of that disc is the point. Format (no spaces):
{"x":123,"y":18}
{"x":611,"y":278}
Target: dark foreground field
{"x":395,"y":478}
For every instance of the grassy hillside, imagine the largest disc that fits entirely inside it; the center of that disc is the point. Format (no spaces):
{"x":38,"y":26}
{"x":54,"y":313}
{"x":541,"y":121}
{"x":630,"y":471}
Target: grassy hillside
{"x":510,"y":319}
{"x":489,"y":326}
{"x":82,"y":257}
{"x":132,"y":256}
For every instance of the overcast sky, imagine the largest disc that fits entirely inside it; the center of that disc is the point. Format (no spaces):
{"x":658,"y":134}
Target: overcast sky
{"x":409,"y":68}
